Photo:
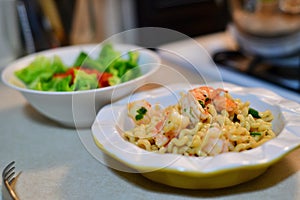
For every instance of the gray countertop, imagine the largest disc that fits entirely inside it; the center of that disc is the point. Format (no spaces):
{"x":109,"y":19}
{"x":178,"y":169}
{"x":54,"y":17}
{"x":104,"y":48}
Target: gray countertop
{"x":54,"y":164}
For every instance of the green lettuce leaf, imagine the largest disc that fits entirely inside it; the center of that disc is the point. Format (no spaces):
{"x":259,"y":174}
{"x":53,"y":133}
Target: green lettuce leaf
{"x":58,"y":84}
{"x":108,"y":55}
{"x":41,"y":69}
{"x":39,"y":74}
{"x":84,"y":81}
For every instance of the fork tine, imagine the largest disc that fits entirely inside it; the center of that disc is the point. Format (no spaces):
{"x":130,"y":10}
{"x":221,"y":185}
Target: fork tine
{"x":7,"y":169}
{"x":7,"y":178}
{"x":8,"y":172}
{"x":10,"y":177}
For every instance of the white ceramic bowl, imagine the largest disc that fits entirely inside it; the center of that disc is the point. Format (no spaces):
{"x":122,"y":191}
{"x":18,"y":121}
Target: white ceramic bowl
{"x":78,"y":109}
{"x":224,"y":170}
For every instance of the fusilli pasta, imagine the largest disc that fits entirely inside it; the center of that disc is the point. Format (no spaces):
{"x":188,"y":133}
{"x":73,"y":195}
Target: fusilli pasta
{"x":205,"y":122}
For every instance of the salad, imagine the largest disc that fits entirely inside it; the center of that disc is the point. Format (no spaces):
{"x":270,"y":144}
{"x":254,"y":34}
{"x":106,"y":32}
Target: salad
{"x":109,"y":68}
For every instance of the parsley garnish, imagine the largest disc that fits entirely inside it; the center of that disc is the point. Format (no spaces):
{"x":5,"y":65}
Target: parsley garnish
{"x":254,"y":113}
{"x":141,"y":112}
{"x":255,"y":133}
{"x":201,"y":103}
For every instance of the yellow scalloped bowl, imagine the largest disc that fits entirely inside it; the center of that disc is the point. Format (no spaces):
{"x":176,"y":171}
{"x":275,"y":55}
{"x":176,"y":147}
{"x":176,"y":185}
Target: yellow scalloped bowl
{"x":224,"y":170}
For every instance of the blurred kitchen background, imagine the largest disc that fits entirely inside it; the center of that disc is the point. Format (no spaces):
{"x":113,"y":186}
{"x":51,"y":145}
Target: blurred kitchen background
{"x":267,"y":32}
{"x":46,"y":24}
{"x":42,"y":24}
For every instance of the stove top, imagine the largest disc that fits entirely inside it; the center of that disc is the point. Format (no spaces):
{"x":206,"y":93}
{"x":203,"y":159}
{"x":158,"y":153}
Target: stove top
{"x":277,"y":72}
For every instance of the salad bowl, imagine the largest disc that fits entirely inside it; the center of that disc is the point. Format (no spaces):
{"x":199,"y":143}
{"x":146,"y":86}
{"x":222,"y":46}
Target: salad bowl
{"x":78,"y":108}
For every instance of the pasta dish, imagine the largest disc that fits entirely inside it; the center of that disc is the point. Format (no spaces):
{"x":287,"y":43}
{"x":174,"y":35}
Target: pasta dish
{"x":204,"y":122}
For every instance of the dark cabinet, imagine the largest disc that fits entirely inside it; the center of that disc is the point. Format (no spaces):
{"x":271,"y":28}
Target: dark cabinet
{"x":191,"y":17}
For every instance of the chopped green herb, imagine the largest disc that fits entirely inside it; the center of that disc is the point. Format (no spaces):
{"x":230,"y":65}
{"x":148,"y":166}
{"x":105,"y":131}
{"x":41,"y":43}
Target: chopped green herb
{"x":202,"y":103}
{"x":207,"y":99}
{"x":139,"y":117}
{"x":255,"y":133}
{"x":141,"y":112}
{"x":254,"y":113}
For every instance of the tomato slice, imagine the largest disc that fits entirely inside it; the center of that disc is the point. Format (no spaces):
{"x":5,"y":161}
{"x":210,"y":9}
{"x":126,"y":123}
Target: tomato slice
{"x":103,"y":80}
{"x":102,"y":77}
{"x":65,"y":74}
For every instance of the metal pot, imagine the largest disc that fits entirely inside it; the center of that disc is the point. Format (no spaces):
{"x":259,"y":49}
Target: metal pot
{"x":267,"y":28}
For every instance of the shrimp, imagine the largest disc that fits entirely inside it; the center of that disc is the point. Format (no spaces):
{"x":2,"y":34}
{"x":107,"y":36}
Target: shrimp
{"x":166,"y":124}
{"x":213,"y":144}
{"x":201,"y":93}
{"x":205,"y":95}
{"x":224,"y":103}
{"x":174,"y":120}
{"x":139,"y":111}
{"x":161,"y":140}
{"x":170,"y":126}
{"x":190,"y":107}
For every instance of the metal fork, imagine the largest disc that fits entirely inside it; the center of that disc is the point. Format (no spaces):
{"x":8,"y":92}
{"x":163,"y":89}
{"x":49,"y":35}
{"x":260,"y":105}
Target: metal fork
{"x":8,"y":178}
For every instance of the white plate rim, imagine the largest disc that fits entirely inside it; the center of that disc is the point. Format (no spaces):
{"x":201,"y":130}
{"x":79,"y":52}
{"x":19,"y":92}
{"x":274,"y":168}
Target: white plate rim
{"x":288,"y":140}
